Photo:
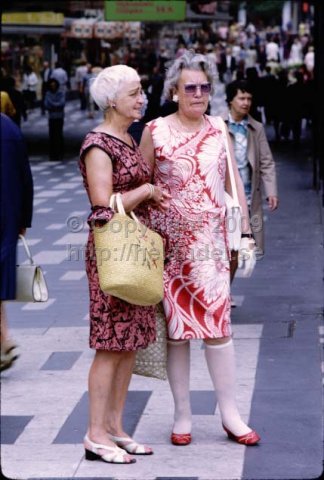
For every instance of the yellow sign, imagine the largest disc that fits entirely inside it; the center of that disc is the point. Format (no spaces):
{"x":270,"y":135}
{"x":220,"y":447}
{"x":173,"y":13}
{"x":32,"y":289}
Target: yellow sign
{"x":33,"y":18}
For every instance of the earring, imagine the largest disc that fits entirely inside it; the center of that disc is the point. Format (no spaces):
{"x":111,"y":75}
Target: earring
{"x":175,"y":98}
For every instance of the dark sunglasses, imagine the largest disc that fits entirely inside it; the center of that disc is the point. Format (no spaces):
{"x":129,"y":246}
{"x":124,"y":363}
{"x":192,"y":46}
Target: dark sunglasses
{"x":191,"y":88}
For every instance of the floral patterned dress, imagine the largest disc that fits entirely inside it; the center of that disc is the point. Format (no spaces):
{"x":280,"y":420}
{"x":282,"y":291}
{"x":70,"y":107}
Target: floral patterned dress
{"x":116,"y":325}
{"x":191,"y":167}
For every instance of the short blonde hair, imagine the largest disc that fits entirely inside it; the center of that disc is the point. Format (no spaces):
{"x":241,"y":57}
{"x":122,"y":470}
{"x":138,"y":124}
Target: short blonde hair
{"x":106,"y":85}
{"x":189,"y":60}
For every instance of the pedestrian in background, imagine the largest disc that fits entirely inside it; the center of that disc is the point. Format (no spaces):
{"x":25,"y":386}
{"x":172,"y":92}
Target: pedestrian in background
{"x":92,"y":72}
{"x":227,"y":65}
{"x":6,"y":105}
{"x":60,"y":74}
{"x":297,"y":97}
{"x":187,"y":152}
{"x":110,"y":161}
{"x":16,"y":195}
{"x":45,"y":76}
{"x":17,"y":99}
{"x":80,"y":73}
{"x":54,"y":104}
{"x":29,"y":87}
{"x":254,"y":160}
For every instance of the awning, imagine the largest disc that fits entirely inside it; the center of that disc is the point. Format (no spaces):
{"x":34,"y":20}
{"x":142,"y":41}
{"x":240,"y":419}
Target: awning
{"x":33,"y":29}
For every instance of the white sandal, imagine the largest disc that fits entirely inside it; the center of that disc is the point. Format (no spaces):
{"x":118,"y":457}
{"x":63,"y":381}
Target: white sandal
{"x":115,"y":455}
{"x":130,"y":446}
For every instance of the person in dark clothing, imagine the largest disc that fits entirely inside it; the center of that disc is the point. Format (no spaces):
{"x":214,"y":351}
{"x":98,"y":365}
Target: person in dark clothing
{"x":154,"y":92}
{"x":16,"y":195}
{"x":16,"y":98}
{"x":227,"y":65}
{"x":268,"y":84}
{"x":55,"y":103}
{"x":254,"y":81}
{"x":279,"y":106}
{"x":45,"y":76}
{"x":296,"y":95}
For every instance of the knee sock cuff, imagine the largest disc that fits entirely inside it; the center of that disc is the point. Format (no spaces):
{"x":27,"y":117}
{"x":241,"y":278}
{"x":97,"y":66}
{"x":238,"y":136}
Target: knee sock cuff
{"x":220,"y":345}
{"x":176,"y":342}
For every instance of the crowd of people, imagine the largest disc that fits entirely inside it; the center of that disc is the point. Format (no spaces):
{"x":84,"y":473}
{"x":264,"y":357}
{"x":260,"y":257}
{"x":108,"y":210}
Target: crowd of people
{"x":278,"y":64}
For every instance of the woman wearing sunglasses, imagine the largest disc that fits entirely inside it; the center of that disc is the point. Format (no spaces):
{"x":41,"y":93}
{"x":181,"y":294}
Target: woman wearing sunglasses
{"x":187,"y":153}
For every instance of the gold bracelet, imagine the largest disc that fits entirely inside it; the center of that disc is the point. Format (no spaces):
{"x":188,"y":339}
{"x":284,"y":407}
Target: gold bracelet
{"x":151,"y":189}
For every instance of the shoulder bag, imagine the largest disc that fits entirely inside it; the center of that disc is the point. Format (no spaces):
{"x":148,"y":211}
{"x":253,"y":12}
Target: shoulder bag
{"x":233,"y":207}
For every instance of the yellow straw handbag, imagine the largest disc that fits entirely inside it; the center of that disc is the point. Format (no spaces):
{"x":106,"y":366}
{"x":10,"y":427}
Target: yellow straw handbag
{"x":130,"y":258}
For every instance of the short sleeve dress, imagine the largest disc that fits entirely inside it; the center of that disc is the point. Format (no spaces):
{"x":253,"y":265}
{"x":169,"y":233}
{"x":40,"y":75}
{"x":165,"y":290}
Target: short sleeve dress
{"x":191,"y":166}
{"x":116,"y":325}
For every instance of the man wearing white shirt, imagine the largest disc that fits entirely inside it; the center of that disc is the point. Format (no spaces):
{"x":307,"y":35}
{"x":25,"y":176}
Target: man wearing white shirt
{"x":29,"y":87}
{"x":61,"y":76}
{"x":272,"y":51}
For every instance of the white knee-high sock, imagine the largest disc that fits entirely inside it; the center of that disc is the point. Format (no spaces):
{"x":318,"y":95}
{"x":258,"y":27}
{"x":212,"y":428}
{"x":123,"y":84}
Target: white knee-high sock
{"x":221,"y":365}
{"x":178,"y":368}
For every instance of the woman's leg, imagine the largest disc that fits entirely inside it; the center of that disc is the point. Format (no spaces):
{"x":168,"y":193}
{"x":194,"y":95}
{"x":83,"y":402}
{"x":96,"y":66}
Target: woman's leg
{"x":116,"y":404}
{"x":8,"y":348}
{"x":117,"y":395}
{"x":220,"y":357}
{"x":60,"y":138}
{"x":179,"y":378}
{"x":101,"y":383}
{"x":51,"y":135}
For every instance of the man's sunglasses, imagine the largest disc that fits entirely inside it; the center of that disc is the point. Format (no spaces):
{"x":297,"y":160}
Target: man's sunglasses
{"x":191,"y":88}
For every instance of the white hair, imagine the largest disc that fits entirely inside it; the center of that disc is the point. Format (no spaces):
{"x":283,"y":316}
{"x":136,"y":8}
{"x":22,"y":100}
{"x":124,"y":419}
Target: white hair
{"x":189,"y":60}
{"x":106,"y":85}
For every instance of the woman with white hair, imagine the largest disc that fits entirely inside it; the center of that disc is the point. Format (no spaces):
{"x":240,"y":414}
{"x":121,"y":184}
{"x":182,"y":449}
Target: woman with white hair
{"x":110,"y":161}
{"x":188,"y":155}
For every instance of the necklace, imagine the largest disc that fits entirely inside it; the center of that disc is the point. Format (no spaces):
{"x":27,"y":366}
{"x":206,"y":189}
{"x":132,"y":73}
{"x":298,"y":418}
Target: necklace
{"x":193,"y":129}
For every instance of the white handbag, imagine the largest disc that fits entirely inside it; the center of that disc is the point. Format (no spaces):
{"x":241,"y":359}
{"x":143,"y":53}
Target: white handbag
{"x":30,"y":281}
{"x":233,"y":207}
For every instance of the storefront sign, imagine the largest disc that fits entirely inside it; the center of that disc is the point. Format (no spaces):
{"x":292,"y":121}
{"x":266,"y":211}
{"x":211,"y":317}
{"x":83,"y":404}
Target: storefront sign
{"x":33,"y":18}
{"x":82,"y":29}
{"x":145,"y":10}
{"x":113,"y":30}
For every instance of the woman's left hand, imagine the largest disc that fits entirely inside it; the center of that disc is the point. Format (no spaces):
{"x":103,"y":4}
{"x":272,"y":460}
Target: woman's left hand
{"x":161,"y":198}
{"x":246,"y":256}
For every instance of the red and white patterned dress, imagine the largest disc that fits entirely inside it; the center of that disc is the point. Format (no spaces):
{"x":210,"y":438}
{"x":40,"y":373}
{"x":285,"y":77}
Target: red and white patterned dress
{"x":192,"y":167}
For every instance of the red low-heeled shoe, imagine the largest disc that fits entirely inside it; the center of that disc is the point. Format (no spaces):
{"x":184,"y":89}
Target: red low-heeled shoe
{"x":181,"y":438}
{"x":249,"y":439}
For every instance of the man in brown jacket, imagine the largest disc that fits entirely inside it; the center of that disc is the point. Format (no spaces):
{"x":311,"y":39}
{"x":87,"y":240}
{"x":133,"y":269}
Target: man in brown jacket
{"x":254,"y":160}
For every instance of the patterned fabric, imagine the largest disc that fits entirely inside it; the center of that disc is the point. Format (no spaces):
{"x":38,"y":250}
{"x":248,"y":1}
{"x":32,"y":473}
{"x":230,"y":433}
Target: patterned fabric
{"x":192,"y":166}
{"x":240,"y":133}
{"x":114,"y":324}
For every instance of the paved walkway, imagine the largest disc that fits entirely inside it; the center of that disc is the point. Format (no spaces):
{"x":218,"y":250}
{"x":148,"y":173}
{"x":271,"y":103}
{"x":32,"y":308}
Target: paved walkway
{"x":278,"y":333}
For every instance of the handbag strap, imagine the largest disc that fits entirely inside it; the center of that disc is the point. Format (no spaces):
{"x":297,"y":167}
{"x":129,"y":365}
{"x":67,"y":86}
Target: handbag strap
{"x":112,"y":201}
{"x":116,"y":198}
{"x":229,"y":161}
{"x":27,"y":250}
